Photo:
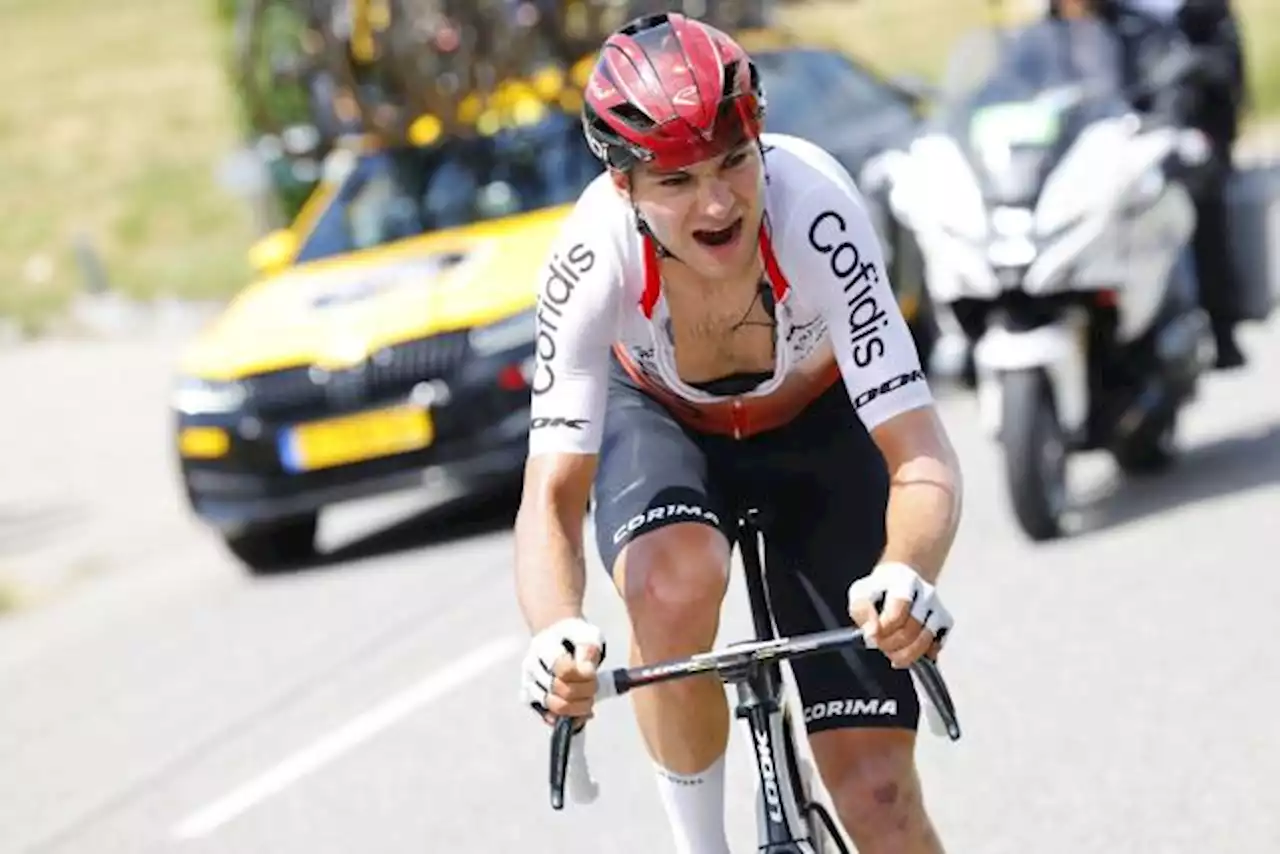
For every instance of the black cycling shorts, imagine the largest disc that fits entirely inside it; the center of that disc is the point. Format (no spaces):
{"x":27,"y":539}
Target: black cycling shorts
{"x":821,"y":486}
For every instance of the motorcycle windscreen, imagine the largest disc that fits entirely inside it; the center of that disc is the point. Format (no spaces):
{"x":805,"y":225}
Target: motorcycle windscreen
{"x":1038,"y":88}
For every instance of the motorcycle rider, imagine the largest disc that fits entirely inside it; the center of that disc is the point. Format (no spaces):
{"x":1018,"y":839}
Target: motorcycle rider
{"x":1209,"y":101}
{"x":716,"y":327}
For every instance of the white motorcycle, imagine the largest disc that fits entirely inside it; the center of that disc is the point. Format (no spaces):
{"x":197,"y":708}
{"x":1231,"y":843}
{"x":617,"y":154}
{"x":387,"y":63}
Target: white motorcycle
{"x":1055,"y":228}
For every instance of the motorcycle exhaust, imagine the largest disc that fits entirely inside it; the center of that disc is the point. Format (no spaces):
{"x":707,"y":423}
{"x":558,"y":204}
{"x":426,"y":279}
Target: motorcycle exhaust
{"x":1183,"y":346}
{"x":1181,"y":355}
{"x":1155,"y":402}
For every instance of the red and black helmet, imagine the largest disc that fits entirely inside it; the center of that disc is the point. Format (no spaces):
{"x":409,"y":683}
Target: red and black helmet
{"x":670,"y":91}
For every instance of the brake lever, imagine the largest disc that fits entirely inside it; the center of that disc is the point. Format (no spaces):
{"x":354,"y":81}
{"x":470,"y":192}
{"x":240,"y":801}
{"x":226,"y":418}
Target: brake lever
{"x":561,"y":737}
{"x":926,"y":670}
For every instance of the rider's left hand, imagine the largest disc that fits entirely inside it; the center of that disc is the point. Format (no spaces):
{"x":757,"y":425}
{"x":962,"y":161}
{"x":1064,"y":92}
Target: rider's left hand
{"x":899,"y":613}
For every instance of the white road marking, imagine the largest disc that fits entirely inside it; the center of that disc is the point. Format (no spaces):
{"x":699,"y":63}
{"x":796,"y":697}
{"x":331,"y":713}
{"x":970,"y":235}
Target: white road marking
{"x":341,"y":740}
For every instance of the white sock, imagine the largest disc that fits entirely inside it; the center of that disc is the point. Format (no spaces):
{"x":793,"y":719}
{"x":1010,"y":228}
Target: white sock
{"x":695,"y":808}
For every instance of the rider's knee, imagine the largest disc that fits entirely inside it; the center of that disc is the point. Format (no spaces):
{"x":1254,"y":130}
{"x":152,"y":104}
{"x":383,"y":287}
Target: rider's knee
{"x":873,"y":783}
{"x":675,"y":574}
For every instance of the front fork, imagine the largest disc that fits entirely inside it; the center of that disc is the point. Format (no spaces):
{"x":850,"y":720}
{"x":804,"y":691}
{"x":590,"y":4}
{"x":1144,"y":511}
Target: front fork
{"x":1060,"y":349}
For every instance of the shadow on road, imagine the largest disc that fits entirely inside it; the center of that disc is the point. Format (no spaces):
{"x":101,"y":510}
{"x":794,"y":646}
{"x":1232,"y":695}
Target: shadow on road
{"x":461,"y":518}
{"x":1225,"y":467}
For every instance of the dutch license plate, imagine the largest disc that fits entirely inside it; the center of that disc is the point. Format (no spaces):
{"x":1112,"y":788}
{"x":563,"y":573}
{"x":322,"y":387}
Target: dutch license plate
{"x":355,"y":438}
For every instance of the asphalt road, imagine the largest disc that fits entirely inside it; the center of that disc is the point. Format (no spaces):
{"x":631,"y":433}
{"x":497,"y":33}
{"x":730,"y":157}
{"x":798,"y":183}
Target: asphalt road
{"x":1117,"y":689}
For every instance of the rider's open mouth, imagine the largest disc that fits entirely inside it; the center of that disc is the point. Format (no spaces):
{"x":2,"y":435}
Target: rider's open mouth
{"x":719,"y":238}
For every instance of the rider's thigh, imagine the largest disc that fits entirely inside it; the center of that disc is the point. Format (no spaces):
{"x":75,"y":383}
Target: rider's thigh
{"x":660,"y":525}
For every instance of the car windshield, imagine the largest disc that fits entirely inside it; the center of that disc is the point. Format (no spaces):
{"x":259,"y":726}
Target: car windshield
{"x":1019,"y":84}
{"x":820,"y":96}
{"x":400,"y":193}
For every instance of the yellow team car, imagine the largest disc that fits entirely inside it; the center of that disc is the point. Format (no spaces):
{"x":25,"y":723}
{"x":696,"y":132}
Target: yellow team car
{"x":391,"y":330}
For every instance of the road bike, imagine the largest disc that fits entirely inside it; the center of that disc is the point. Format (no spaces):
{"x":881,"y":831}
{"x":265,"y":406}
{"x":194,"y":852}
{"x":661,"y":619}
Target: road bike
{"x":791,"y":820}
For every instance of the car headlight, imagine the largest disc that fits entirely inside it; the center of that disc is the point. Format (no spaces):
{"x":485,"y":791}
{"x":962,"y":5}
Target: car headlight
{"x":194,"y":396}
{"x":518,"y":330}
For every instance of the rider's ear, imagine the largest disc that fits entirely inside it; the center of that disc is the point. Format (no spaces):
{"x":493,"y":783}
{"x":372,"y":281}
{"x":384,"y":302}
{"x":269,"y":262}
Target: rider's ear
{"x":621,"y":181}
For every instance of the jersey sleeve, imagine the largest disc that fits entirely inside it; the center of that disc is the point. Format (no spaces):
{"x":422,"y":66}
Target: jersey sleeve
{"x":832,"y":254}
{"x":579,"y":290}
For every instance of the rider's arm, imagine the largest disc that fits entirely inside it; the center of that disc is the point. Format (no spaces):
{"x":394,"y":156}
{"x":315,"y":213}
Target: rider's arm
{"x":839,"y":259}
{"x":925,"y":493}
{"x":577,"y":318}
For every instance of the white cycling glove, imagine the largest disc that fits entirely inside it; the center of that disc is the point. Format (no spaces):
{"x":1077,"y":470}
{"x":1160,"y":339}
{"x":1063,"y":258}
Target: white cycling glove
{"x":558,"y":639}
{"x":899,"y":581}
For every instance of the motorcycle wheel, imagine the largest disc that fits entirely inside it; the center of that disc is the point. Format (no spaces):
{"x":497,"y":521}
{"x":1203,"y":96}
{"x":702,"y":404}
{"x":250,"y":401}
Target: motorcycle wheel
{"x":1035,"y":450}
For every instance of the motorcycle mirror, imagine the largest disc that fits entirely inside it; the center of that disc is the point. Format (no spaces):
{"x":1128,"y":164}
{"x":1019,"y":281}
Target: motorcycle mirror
{"x":1169,"y":71}
{"x":877,"y":172}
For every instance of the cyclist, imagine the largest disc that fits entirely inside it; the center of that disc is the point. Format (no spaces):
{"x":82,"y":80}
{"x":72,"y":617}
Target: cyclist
{"x":716,"y":328}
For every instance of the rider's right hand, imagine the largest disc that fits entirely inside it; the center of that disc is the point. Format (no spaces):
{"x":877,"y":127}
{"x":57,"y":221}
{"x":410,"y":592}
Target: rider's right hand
{"x":558,"y":675}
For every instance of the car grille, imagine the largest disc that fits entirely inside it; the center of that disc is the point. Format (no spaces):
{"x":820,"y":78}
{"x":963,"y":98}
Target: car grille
{"x":303,"y":391}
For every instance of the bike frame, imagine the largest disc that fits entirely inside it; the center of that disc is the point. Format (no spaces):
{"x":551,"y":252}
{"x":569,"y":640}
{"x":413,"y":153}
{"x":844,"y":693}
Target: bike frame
{"x":782,"y":799}
{"x":754,"y":669}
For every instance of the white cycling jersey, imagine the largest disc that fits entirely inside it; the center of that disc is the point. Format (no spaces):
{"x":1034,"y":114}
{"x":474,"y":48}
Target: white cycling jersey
{"x":600,"y":287}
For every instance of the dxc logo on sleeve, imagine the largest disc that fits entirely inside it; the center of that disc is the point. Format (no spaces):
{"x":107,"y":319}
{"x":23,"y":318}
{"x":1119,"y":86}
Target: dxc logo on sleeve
{"x":556,"y":421}
{"x":888,"y":387}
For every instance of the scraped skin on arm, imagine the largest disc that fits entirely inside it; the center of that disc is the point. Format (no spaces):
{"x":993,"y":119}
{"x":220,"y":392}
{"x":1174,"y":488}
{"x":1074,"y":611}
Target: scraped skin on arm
{"x":925,"y":490}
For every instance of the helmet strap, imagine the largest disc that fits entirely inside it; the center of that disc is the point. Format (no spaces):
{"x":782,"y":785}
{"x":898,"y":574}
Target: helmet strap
{"x":646,"y":231}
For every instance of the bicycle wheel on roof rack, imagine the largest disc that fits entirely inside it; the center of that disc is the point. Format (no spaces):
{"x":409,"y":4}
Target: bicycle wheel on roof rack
{"x":413,"y":62}
{"x":458,"y":56}
{"x":550,"y":25}
{"x":278,"y":53}
{"x":575,"y":29}
{"x":431,"y":50}
{"x":731,"y":15}
{"x":354,"y":49}
{"x":728,"y":15}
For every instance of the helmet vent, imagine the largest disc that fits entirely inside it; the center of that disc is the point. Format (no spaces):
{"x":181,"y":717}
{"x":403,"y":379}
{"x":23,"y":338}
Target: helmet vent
{"x":645,"y":22}
{"x":633,"y":116}
{"x":731,"y":80}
